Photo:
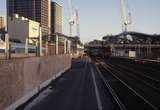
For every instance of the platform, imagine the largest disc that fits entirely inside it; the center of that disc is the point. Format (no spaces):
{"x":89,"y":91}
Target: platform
{"x":77,"y":89}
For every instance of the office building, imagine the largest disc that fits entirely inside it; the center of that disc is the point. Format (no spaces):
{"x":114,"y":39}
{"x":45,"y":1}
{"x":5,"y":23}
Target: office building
{"x":21,"y":28}
{"x":37,"y":10}
{"x":56,"y":18}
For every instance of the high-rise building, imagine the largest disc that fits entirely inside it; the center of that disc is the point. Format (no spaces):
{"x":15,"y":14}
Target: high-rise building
{"x":56,"y":18}
{"x":2,"y":23}
{"x":37,"y":10}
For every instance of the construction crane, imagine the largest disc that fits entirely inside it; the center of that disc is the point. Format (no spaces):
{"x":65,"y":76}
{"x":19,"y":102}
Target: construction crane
{"x":77,"y":24}
{"x":125,"y":17}
{"x":72,"y":17}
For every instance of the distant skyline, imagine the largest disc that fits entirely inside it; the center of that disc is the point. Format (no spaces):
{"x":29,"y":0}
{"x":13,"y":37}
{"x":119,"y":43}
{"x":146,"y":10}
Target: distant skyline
{"x":101,"y":17}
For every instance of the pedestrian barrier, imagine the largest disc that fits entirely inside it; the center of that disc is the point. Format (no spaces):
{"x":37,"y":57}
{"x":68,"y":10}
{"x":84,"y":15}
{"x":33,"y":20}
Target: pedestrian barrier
{"x":20,"y":79}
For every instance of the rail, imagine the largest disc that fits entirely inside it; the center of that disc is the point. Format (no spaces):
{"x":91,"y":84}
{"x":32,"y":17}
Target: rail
{"x":145,"y":103}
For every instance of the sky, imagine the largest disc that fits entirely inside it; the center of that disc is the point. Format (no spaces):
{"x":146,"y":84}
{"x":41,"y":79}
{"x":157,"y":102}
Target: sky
{"x":98,"y":18}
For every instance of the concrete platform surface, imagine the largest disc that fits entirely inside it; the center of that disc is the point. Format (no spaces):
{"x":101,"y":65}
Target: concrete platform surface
{"x":77,"y":89}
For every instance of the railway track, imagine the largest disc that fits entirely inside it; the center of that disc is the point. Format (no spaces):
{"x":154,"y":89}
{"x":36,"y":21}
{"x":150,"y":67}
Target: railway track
{"x":139,"y":76}
{"x":150,"y":70}
{"x":126,"y":90}
{"x":150,"y":77}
